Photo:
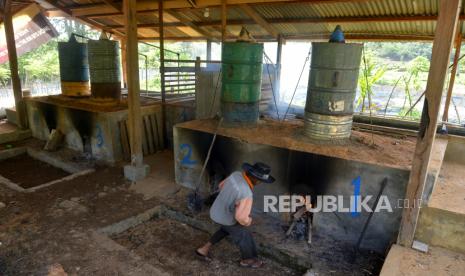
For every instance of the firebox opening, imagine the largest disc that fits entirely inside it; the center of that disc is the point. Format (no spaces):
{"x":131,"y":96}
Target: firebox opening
{"x":83,"y":123}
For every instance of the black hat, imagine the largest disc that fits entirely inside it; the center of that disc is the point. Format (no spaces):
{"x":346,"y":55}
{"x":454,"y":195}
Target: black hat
{"x":260,"y":171}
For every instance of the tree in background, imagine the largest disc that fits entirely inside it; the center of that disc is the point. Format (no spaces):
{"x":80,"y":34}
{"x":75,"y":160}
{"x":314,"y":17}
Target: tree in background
{"x":412,"y":81}
{"x":371,"y":72}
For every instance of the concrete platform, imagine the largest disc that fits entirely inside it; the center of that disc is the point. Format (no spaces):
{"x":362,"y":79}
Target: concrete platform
{"x":408,"y":262}
{"x":442,"y":221}
{"x":387,"y":151}
{"x":10,"y":132}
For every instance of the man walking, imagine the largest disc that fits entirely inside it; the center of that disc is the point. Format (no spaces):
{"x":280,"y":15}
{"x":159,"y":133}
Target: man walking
{"x":231,"y":209}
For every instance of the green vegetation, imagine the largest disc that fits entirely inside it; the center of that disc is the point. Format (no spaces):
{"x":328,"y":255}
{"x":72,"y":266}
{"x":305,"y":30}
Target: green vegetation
{"x":371,"y":72}
{"x":395,"y":66}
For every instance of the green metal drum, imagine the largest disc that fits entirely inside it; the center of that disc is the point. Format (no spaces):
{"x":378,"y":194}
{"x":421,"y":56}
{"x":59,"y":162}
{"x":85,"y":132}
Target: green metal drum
{"x":74,"y":68}
{"x":105,"y":74}
{"x":331,"y":90}
{"x":241,"y":82}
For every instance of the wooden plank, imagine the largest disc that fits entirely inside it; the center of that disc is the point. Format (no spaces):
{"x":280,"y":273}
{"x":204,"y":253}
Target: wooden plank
{"x":123,"y":62}
{"x":154,"y":125}
{"x":148,"y":134}
{"x":443,"y":41}
{"x":162,"y":122}
{"x":85,"y":21}
{"x":145,"y":147}
{"x":191,"y":24}
{"x":453,"y":73}
{"x":132,"y":69}
{"x":124,"y":140}
{"x":259,"y":20}
{"x":224,"y":14}
{"x":13,"y":61}
{"x":161,"y":139}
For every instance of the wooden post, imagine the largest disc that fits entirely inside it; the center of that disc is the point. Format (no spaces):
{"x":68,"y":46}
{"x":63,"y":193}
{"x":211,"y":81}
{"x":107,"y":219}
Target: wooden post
{"x":224,"y":12}
{"x":453,"y":73}
{"x":123,"y":62}
{"x":209,"y":50}
{"x":132,"y":69}
{"x":443,"y":41}
{"x":13,"y":59}
{"x":279,"y":53}
{"x":161,"y":31}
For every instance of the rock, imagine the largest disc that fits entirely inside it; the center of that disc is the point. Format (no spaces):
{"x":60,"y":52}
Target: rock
{"x":75,"y":207}
{"x":310,"y":272}
{"x":56,"y":270}
{"x":75,"y":199}
{"x":2,"y":205}
{"x":102,"y":194}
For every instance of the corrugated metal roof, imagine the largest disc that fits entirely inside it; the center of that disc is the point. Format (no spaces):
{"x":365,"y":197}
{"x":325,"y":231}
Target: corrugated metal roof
{"x":287,"y":18}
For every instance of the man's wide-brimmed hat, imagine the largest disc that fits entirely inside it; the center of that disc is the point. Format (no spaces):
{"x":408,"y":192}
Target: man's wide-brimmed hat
{"x":260,"y":171}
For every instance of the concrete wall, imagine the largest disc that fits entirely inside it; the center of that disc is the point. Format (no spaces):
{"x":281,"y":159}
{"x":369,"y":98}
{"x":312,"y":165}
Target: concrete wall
{"x":301,"y":173}
{"x":455,"y":151}
{"x":101,"y":127}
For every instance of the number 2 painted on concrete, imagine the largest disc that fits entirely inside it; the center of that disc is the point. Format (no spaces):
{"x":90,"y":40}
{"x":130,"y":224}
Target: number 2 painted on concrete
{"x":186,"y":160}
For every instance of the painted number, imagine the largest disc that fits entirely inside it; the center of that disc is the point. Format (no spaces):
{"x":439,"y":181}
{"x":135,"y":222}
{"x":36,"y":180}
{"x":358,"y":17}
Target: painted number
{"x":186,"y":160}
{"x":99,"y":136}
{"x":354,"y":212}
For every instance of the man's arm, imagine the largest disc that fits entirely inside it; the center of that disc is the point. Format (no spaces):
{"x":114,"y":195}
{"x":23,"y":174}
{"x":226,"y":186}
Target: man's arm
{"x":243,"y":209}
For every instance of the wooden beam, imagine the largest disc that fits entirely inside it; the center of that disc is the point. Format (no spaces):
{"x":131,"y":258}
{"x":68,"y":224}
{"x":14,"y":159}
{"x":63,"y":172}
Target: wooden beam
{"x":112,"y":4}
{"x":453,"y":73}
{"x":443,"y":41}
{"x":189,"y":23}
{"x":13,"y":61}
{"x":240,"y":22}
{"x":259,"y":20}
{"x":224,"y":14}
{"x":279,"y":54}
{"x":162,"y":69}
{"x":84,"y":21}
{"x":123,"y":62}
{"x":132,"y":69}
{"x":209,"y":50}
{"x":308,"y":37}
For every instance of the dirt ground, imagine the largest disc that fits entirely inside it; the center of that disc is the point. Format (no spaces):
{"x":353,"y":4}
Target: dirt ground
{"x":28,"y":172}
{"x":57,"y":225}
{"x":52,"y":225}
{"x":169,"y":244}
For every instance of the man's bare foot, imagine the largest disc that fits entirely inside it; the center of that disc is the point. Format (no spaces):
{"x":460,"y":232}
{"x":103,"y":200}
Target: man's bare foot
{"x":205,"y":249}
{"x":253,"y":263}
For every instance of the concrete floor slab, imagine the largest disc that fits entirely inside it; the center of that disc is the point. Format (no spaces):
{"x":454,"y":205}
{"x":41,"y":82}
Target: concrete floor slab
{"x":408,"y":262}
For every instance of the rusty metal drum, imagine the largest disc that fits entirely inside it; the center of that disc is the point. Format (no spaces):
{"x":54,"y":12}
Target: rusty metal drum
{"x":331,"y":90}
{"x":104,"y":65}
